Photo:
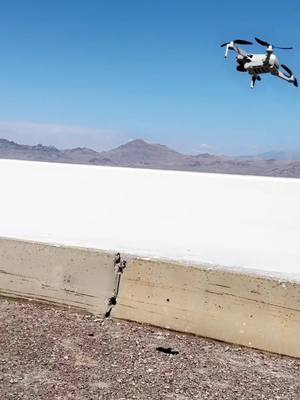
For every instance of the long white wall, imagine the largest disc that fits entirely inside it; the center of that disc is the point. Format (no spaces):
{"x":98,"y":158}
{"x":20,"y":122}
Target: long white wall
{"x":240,"y":222}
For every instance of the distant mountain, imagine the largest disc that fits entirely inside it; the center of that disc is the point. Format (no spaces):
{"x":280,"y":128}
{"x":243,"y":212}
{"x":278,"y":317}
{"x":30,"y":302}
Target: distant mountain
{"x":280,"y":155}
{"x":9,"y":149}
{"x":80,"y":155}
{"x":140,"y":154}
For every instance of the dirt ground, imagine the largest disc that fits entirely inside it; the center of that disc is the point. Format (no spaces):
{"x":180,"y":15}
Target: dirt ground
{"x":56,"y":354}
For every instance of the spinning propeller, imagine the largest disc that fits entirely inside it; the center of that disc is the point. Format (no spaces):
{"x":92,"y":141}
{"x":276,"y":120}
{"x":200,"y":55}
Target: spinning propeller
{"x":237,"y":41}
{"x":231,"y":46}
{"x":266,"y":44}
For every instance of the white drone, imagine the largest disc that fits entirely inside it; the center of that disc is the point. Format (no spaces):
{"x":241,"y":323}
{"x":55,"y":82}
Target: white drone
{"x":256,"y":64}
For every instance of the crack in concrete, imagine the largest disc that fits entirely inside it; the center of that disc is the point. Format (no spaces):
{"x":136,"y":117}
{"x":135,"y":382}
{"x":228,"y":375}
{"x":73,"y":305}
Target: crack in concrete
{"x":119,"y":266}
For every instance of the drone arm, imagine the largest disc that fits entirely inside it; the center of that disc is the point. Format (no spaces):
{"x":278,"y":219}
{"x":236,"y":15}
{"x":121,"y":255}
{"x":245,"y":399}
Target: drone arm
{"x":231,"y":46}
{"x":281,"y":75}
{"x":226,"y":51}
{"x":240,"y":51}
{"x":269,"y":52}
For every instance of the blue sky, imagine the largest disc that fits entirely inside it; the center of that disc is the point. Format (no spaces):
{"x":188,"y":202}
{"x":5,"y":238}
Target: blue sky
{"x":99,"y":73}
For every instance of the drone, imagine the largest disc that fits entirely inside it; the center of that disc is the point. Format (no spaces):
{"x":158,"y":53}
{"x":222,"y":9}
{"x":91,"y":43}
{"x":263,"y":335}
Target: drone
{"x":257,"y":64}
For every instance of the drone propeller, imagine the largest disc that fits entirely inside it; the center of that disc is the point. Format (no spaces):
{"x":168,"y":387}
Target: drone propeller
{"x":295,"y":82}
{"x":237,"y":41}
{"x":266,"y":44}
{"x":287,"y":69}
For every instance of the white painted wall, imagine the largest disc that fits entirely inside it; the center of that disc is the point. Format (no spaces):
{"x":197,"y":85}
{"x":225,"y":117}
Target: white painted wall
{"x":232,"y":221}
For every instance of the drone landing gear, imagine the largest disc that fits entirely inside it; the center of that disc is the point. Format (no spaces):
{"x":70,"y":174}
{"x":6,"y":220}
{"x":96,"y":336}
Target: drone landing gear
{"x":254,"y":78}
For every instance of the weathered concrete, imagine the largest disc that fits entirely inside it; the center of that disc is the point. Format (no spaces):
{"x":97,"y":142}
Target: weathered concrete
{"x":254,"y":311}
{"x":245,"y":309}
{"x":245,"y":224}
{"x":81,"y":278}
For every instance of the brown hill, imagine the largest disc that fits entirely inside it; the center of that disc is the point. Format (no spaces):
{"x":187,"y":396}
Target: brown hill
{"x":12,"y":150}
{"x":141,"y":154}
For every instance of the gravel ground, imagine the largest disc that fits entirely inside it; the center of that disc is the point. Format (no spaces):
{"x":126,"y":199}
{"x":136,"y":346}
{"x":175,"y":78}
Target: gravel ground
{"x":51,"y":353}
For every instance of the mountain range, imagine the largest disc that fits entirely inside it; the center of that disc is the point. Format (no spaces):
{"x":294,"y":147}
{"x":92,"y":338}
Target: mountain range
{"x":140,"y":154}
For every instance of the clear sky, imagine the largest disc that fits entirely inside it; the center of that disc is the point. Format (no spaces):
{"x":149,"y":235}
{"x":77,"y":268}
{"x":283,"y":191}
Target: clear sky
{"x":98,"y":73}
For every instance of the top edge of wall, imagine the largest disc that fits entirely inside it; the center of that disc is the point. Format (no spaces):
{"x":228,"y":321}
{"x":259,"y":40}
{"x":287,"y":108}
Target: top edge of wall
{"x":130,"y":258}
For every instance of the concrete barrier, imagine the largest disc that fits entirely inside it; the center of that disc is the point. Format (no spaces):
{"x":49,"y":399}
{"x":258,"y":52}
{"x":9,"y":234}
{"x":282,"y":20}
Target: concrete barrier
{"x":237,"y":222}
{"x":76,"y":277}
{"x":240,"y":308}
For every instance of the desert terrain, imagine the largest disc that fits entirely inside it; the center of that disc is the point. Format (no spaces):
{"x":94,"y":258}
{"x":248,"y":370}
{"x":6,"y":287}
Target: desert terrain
{"x":59,"y":354}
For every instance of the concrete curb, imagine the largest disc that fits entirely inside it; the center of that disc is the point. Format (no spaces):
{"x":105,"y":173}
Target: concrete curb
{"x":258,"y":312}
{"x":69,"y":276}
{"x":246,"y":309}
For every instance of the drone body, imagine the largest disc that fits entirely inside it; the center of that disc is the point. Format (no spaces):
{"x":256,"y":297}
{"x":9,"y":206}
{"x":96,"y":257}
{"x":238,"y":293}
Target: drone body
{"x":257,"y":64}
